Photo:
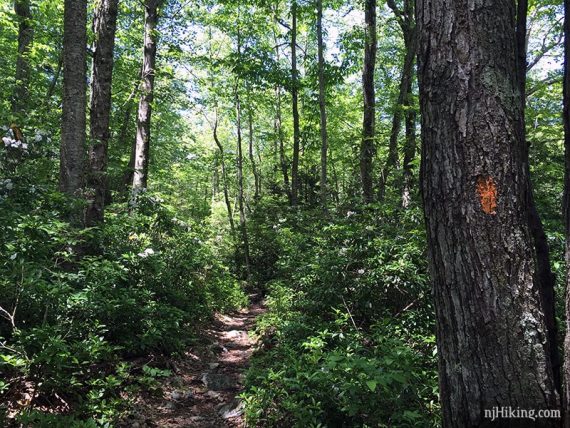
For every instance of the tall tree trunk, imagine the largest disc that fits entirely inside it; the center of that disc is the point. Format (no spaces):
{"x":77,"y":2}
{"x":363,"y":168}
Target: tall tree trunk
{"x":104,"y":28}
{"x":278,"y":123}
{"x":72,"y":151}
{"x":241,"y":202}
{"x":409,"y":156}
{"x":239,"y":163}
{"x":21,"y":96}
{"x":224,"y":176}
{"x":295,"y":101}
{"x":254,"y":169}
{"x":142,"y":144}
{"x":129,"y":105}
{"x":54,"y":80}
{"x":406,"y":20}
{"x":282,"y":156}
{"x":491,"y":328}
{"x":566,"y":208}
{"x":545,"y":278}
{"x":367,"y":147}
{"x":322,"y":104}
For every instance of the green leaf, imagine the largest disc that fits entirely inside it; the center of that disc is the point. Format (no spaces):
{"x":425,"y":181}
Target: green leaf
{"x":371,"y":385}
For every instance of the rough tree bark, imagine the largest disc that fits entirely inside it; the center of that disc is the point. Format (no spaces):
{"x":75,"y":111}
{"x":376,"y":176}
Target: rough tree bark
{"x":491,"y":330}
{"x":142,"y":144}
{"x":72,"y":150}
{"x":25,"y":39}
{"x":104,"y":28}
{"x":295,"y":106}
{"x":367,"y":147}
{"x":322,"y":103}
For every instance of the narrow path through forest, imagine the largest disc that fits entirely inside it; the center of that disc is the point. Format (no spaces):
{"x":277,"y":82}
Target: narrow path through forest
{"x":205,"y":388}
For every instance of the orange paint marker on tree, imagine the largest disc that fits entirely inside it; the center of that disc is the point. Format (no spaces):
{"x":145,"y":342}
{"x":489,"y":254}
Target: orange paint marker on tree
{"x":487,"y":191}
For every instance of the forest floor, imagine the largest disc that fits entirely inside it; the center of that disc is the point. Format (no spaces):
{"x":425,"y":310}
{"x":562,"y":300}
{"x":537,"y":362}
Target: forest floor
{"x":204,"y":389}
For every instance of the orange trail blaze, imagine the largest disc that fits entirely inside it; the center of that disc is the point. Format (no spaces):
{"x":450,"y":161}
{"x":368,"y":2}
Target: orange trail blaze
{"x":487,"y":191}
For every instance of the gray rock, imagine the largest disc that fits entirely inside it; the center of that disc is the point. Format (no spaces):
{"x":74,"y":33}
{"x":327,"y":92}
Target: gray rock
{"x":218,"y":382}
{"x":233,"y":409}
{"x":181,"y":395}
{"x":218,"y":349}
{"x":236,"y":334}
{"x":214,"y":395}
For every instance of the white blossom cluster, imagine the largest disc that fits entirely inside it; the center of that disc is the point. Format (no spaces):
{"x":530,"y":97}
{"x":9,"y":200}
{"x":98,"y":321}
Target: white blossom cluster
{"x":15,"y":144}
{"x":147,"y":252}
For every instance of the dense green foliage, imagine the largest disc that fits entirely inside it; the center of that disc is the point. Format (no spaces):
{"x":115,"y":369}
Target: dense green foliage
{"x":348,"y":339}
{"x":89,"y":316}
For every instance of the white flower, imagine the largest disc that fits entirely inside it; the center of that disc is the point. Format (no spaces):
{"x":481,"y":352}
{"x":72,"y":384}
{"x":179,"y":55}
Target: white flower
{"x":7,"y":141}
{"x":191,"y":156}
{"x":361,"y":271}
{"x":25,"y":146}
{"x":147,"y":252}
{"x":350,"y":213}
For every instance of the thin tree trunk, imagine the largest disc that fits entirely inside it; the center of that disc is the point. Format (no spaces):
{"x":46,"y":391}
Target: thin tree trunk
{"x":104,"y":28}
{"x":282,"y":156}
{"x":566,"y":208}
{"x":53,"y":83}
{"x":250,"y":149}
{"x":21,"y":96}
{"x":72,"y":151}
{"x":545,"y":278}
{"x":367,"y":147}
{"x":129,"y":106}
{"x":278,"y":125}
{"x":142,"y":145}
{"x":491,"y":329}
{"x":239,"y":163}
{"x":295,"y":102}
{"x":409,"y":156}
{"x":224,"y":176}
{"x":322,"y":104}
{"x":406,"y":20}
{"x":241,"y":205}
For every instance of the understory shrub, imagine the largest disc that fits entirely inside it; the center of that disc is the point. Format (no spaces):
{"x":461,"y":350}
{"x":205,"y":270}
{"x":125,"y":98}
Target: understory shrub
{"x":348,"y":339}
{"x":75,"y":303}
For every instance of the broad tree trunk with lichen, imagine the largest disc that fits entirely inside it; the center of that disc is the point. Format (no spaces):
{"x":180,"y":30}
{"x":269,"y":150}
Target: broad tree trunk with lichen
{"x":491,"y":327}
